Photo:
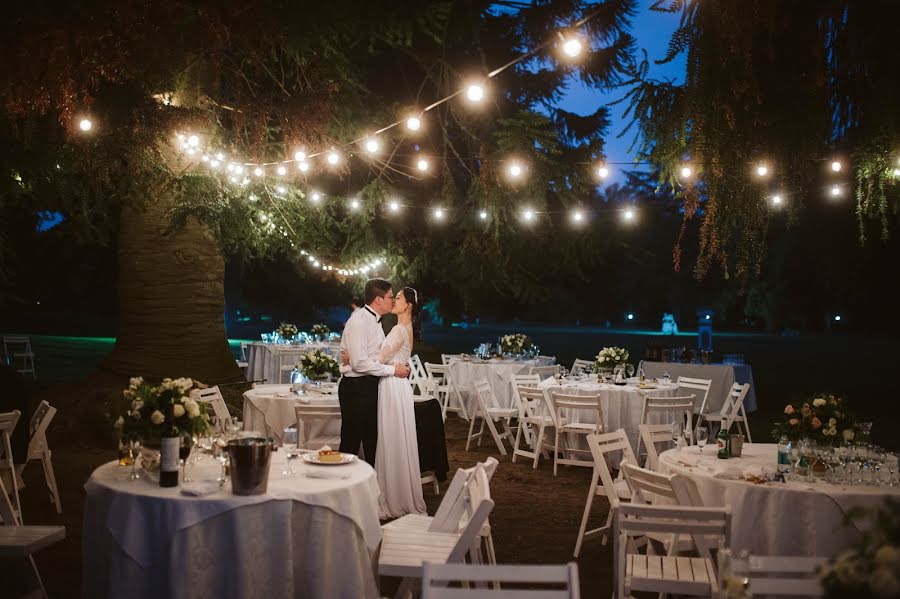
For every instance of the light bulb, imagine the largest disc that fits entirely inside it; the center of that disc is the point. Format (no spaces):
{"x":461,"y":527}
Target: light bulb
{"x":315,"y":196}
{"x":311,"y":258}
{"x":835,"y":191}
{"x":233,"y":179}
{"x":762,"y":170}
{"x":686,"y":172}
{"x":281,"y":171}
{"x":316,"y":263}
{"x":333,"y":158}
{"x":515,"y":170}
{"x":205,"y":158}
{"x":230,"y":167}
{"x":85,"y":125}
{"x":777,"y":199}
{"x":394,"y":206}
{"x":299,"y":155}
{"x":836,"y":166}
{"x":422,"y":165}
{"x":896,"y":172}
{"x":475,"y":93}
{"x":572,"y":47}
{"x":303,"y":166}
{"x":438,"y":213}
{"x":602,"y":172}
{"x":252,"y":197}
{"x":577,"y":216}
{"x":280,"y":190}
{"x":191,"y":151}
{"x":372,"y":145}
{"x":413,"y":123}
{"x":354,"y":204}
{"x":628,"y":214}
{"x":258,"y":172}
{"x":528,"y":214}
{"x":245,"y":181}
{"x":238,"y":169}
{"x":483,"y":215}
{"x":214,"y":163}
{"x":193,"y":141}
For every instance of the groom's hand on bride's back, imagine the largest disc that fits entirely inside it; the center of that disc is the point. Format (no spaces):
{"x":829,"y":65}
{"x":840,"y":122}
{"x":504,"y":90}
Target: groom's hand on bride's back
{"x":401,"y":370}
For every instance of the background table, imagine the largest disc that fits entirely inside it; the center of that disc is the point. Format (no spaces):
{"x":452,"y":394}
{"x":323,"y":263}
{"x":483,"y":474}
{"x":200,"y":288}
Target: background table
{"x":264,"y":360}
{"x":306,"y":537}
{"x":794,"y":518}
{"x":499,"y":373}
{"x":722,"y":376}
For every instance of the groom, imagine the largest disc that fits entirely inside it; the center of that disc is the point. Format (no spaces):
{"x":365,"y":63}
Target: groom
{"x":358,"y":391}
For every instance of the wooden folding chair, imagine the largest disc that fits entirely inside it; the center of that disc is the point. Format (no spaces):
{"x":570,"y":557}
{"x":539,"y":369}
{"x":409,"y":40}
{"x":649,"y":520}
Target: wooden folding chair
{"x":680,"y":408}
{"x":444,"y":389}
{"x":533,"y":422}
{"x":307,"y":414}
{"x":570,"y":423}
{"x":17,"y":349}
{"x":545,"y":372}
{"x":584,"y":366}
{"x":699,"y":386}
{"x":213,"y":397}
{"x":732,"y":410}
{"x":38,"y":449}
{"x":785,"y":575}
{"x":651,"y":435}
{"x":8,"y":422}
{"x":519,"y":380}
{"x":549,"y":582}
{"x":488,"y":409}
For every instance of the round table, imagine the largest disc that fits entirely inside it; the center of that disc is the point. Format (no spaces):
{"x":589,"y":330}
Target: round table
{"x":270,"y":409}
{"x":793,"y":518}
{"x":305,"y":537}
{"x":264,"y":360}
{"x":498,"y":372}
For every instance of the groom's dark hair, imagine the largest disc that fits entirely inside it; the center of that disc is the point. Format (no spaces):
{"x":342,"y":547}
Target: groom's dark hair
{"x":376,"y":288}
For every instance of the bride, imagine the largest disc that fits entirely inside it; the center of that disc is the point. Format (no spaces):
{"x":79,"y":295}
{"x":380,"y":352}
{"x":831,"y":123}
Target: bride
{"x":397,"y":458}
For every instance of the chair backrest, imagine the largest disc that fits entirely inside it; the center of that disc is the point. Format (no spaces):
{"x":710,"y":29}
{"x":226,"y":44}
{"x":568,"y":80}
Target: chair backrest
{"x":213,"y":397}
{"x":550,"y":581}
{"x":418,"y":378}
{"x":480,"y":506}
{"x":8,"y":421}
{"x":645,"y":484}
{"x":438,"y":373}
{"x":733,"y":404}
{"x":16,"y":340}
{"x":39,"y":423}
{"x":416,"y":366}
{"x":586,"y":403}
{"x":485,"y":394}
{"x":310,"y":412}
{"x":651,"y":435}
{"x":701,"y":386}
{"x":601,"y":446}
{"x":583,"y":365}
{"x":530,"y":397}
{"x":244,"y":346}
{"x":544,"y":372}
{"x":448,"y":359}
{"x":785,"y":575}
{"x":453,"y":505}
{"x":678,"y":405}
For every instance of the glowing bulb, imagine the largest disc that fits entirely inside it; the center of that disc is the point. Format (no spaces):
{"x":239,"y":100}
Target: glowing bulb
{"x":835,"y":191}
{"x":299,"y":155}
{"x":193,"y":141}
{"x":315,"y":197}
{"x":333,"y":158}
{"x":837,"y":317}
{"x":686,"y":172}
{"x":280,"y":190}
{"x":205,"y":158}
{"x":316,"y":263}
{"x":475,"y":93}
{"x":896,"y":172}
{"x":515,"y":170}
{"x":836,"y":166}
{"x":311,"y":258}
{"x":630,"y":316}
{"x":281,"y":171}
{"x":246,"y":181}
{"x":214,"y":163}
{"x":85,"y":125}
{"x":762,"y":170}
{"x":482,"y":215}
{"x":252,"y":197}
{"x":628,"y":214}
{"x":233,"y":179}
{"x":777,"y":199}
{"x":220,"y":157}
{"x":303,"y":166}
{"x":413,"y":123}
{"x":230,"y":167}
{"x":602,"y":172}
{"x":572,"y":47}
{"x":372,"y":145}
{"x":577,"y":216}
{"x":528,"y":215}
{"x":258,"y":172}
{"x":439,"y":213}
{"x":238,"y":169}
{"x":394,"y":206}
{"x":191,"y":151}
{"x":422,"y":165}
{"x":354,"y":204}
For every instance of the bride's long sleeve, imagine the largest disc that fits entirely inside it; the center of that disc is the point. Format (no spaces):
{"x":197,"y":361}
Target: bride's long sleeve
{"x":391,"y":345}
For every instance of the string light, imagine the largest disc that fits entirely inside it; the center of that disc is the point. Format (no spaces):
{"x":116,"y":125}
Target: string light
{"x":193,"y":141}
{"x":280,"y":190}
{"x":303,"y":166}
{"x":602,"y":171}
{"x":422,"y":164}
{"x":528,"y":214}
{"x":282,"y":171}
{"x":686,"y":172}
{"x":835,"y":191}
{"x":777,"y":200}
{"x":836,"y":166}
{"x":577,"y":216}
{"x":438,"y":213}
{"x":258,"y":172}
{"x":483,"y":215}
{"x":762,"y":170}
{"x":394,"y":206}
{"x":300,"y":156}
{"x":628,"y":215}
{"x":372,"y":145}
{"x":475,"y":93}
{"x":896,"y":172}
{"x":572,"y":47}
{"x":315,"y":197}
{"x":354,"y":204}
{"x":333,"y":158}
{"x":413,"y":123}
{"x":85,"y":125}
{"x":515,"y":170}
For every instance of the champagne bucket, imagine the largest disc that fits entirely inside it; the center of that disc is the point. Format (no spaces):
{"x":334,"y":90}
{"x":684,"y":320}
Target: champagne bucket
{"x":737,"y":444}
{"x":250,"y":457}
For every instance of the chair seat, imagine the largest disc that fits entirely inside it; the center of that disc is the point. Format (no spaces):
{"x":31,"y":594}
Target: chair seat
{"x":503,"y":412}
{"x":586,"y":427}
{"x":21,"y":541}
{"x":538,"y":420}
{"x":623,"y":491}
{"x":242,"y":364}
{"x":404,"y":551}
{"x":678,"y":575}
{"x":26,"y":354}
{"x":720,"y":418}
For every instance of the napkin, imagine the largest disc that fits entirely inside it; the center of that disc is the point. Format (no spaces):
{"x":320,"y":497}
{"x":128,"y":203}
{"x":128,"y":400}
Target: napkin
{"x":757,"y":472}
{"x":326,"y":474}
{"x":200,"y":489}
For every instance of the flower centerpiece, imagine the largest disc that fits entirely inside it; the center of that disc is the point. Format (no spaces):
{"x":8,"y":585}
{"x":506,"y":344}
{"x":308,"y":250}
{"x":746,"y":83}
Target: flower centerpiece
{"x":287,"y":330}
{"x":150,"y":406}
{"x":318,"y":365}
{"x":320,"y":331}
{"x":872,"y":567}
{"x":515,"y":343}
{"x":824,"y":418}
{"x":609,"y":358}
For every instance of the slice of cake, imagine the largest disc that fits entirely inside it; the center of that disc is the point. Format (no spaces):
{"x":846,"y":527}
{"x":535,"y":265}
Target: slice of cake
{"x":329,"y":456}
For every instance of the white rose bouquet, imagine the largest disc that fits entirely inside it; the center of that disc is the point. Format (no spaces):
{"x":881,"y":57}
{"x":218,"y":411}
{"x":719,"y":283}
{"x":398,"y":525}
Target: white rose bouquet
{"x":319,"y":330}
{"x":515,"y":343}
{"x":610,"y":357}
{"x":150,"y":406}
{"x":287,"y":330}
{"x":316,"y":364}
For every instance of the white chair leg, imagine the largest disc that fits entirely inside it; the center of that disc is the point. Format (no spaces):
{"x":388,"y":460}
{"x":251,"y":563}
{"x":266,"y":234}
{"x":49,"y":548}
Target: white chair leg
{"x":38,"y":576}
{"x":587,"y":512}
{"x":46,"y":461}
{"x":555,"y":449}
{"x":516,"y":444}
{"x":496,"y":435}
{"x":407,"y":589}
{"x":481,"y":431}
{"x":471,"y":428}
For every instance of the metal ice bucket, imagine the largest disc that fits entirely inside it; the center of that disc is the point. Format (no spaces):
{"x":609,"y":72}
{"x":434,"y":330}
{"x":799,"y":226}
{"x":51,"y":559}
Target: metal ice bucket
{"x":737,"y":445}
{"x":250,"y":457}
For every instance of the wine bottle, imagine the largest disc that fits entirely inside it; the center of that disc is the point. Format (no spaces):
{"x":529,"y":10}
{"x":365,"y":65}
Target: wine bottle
{"x":168,"y":455}
{"x":722,"y":444}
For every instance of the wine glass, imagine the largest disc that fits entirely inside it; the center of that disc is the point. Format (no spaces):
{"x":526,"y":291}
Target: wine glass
{"x":134,"y":450}
{"x":289,"y":444}
{"x":808,"y":448}
{"x":221,"y":456}
{"x":795,"y":458}
{"x":184,"y":452}
{"x":677,"y":432}
{"x":702,"y":435}
{"x":890,"y":460}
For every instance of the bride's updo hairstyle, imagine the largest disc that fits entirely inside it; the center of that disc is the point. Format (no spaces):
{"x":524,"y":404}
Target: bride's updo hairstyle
{"x":412,"y":298}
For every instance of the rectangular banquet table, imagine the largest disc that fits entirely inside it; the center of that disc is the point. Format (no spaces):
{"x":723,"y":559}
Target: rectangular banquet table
{"x":305,"y":537}
{"x":721,"y":375}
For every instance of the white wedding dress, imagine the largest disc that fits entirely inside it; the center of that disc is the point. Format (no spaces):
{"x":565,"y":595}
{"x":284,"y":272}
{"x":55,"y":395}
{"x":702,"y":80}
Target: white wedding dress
{"x":397,"y":457}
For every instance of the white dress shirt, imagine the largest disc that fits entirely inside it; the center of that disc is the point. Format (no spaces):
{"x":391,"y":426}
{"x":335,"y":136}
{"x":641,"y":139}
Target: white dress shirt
{"x":362,"y":339}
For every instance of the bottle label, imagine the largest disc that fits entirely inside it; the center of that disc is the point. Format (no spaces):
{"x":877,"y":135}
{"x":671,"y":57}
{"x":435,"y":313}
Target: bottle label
{"x":168,"y":454}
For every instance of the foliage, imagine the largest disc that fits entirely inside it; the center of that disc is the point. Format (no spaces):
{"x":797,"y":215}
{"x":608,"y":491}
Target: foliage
{"x":319,"y":330}
{"x":150,"y":407}
{"x":824,"y":418}
{"x":287,"y":330}
{"x":871,"y":569}
{"x":515,"y":343}
{"x":610,"y":357}
{"x":318,"y":363}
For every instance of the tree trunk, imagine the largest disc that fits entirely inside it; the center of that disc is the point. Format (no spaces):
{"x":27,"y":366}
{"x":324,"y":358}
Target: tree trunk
{"x":171,"y":299}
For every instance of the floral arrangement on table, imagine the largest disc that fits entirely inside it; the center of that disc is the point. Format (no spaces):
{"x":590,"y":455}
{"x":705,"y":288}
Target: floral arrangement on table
{"x":824,"y":419}
{"x":287,"y":330}
{"x":150,"y":405}
{"x":515,"y":343}
{"x":872,"y":568}
{"x":610,"y":357}
{"x":320,"y":330}
{"x":317,"y":364}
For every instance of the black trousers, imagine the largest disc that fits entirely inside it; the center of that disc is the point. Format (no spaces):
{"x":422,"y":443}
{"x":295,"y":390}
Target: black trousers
{"x":358,"y":397}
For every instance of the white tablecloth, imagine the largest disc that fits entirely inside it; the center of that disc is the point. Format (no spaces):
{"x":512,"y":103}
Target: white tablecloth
{"x":306,"y":537}
{"x":498,"y":373}
{"x":264,"y":359}
{"x":270,"y":409}
{"x":774,"y":518}
{"x":621,"y":405}
{"x":723,"y":376}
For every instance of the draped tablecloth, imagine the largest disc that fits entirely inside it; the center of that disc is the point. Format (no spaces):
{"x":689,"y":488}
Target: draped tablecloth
{"x":621,"y":406}
{"x":723,"y":376}
{"x":264,"y":360}
{"x":270,"y":409}
{"x":793,"y":518}
{"x":305,"y":537}
{"x":499,"y":373}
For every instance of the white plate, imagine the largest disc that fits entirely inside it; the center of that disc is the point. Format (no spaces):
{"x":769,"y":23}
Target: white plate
{"x":313,"y":458}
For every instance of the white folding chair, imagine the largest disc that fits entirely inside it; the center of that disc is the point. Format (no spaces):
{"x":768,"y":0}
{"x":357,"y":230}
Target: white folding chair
{"x":651,"y":435}
{"x":17,"y":349}
{"x":8,"y":422}
{"x":307,"y":415}
{"x":287,"y":362}
{"x":19,"y":541}
{"x":403,"y":552}
{"x":487,"y":408}
{"x":550,"y":582}
{"x":699,"y":386}
{"x":447,"y":359}
{"x":585,"y":366}
{"x":732,"y":410}
{"x":545,"y":372}
{"x":602,"y":483}
{"x":444,"y":389}
{"x":666,"y":574}
{"x":572,"y":421}
{"x":213,"y":397}
{"x":418,"y":378}
{"x":533,"y":422}
{"x":785,"y":575}
{"x":547,"y":359}
{"x":38,"y":449}
{"x":679,"y":409}
{"x":243,"y":364}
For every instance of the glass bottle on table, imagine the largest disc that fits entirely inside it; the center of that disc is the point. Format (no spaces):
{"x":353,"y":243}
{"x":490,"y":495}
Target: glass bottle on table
{"x":722,"y":444}
{"x":169,"y":445}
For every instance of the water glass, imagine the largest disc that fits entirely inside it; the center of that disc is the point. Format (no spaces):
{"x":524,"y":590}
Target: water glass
{"x":677,"y":432}
{"x":289,"y":445}
{"x":890,"y":461}
{"x":134,"y":450}
{"x":702,"y":435}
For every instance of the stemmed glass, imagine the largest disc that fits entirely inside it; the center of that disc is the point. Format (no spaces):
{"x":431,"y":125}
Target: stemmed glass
{"x":289,"y":444}
{"x":795,"y":459}
{"x":808,"y":448}
{"x":184,"y":453}
{"x":221,"y":456}
{"x":134,"y":450}
{"x":677,"y":432}
{"x":702,"y":435}
{"x":890,"y":459}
